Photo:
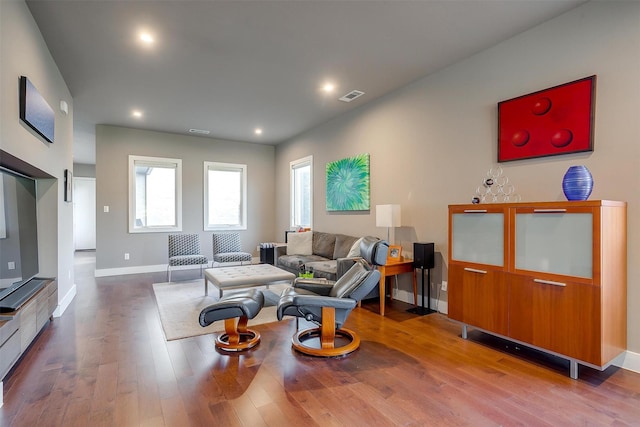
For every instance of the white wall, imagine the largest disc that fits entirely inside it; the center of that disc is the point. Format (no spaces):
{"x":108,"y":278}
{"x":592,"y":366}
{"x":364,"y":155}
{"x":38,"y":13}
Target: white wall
{"x":432,"y":142}
{"x":149,"y":251}
{"x":24,"y":52}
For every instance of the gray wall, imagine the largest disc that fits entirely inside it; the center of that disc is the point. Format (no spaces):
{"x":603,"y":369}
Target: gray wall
{"x":149,"y":250}
{"x":84,"y":170}
{"x":432,"y":142}
{"x":24,"y":52}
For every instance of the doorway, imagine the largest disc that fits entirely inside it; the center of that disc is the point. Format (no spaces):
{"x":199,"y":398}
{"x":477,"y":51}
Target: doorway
{"x":84,"y":213}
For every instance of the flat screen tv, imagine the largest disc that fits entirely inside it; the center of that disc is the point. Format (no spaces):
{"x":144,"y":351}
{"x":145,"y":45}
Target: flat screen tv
{"x":35,"y":111}
{"x":18,"y":231}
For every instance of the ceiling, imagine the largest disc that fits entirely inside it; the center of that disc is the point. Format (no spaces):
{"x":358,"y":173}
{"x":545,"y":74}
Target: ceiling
{"x":233,"y":66}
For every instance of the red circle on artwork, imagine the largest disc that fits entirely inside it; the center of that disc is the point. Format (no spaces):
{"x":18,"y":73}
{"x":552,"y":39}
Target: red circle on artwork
{"x":520,"y":138}
{"x":541,"y":106}
{"x":561,"y":138}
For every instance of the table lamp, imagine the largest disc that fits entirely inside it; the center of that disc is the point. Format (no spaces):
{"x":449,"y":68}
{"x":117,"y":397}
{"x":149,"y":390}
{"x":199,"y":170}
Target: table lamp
{"x":388,"y":216}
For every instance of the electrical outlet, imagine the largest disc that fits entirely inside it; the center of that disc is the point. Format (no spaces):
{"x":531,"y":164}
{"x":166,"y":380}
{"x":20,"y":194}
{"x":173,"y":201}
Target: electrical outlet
{"x":126,"y":256}
{"x":444,"y":285}
{"x":11,"y":265}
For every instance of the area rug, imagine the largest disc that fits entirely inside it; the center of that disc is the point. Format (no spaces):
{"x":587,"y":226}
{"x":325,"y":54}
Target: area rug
{"x":180,"y":303}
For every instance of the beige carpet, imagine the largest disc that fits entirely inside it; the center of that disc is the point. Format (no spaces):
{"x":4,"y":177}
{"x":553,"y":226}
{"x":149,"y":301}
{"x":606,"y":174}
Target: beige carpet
{"x":180,"y":303}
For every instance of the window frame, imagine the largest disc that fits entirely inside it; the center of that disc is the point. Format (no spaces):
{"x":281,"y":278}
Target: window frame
{"x":176,"y":164}
{"x":243,"y":199}
{"x":293,"y":165}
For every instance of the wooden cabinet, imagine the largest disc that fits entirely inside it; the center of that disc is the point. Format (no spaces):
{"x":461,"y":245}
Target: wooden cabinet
{"x":18,"y":329}
{"x":558,"y":284}
{"x":562,"y":318}
{"x":480,"y":298}
{"x":28,"y":329}
{"x":9,"y":343}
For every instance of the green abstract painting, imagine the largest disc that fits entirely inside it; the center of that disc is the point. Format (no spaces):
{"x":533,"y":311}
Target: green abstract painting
{"x":348,"y":184}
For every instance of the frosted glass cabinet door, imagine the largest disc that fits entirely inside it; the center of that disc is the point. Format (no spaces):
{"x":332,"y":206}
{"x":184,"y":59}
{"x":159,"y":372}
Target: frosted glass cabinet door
{"x":478,"y":238}
{"x":557,"y":243}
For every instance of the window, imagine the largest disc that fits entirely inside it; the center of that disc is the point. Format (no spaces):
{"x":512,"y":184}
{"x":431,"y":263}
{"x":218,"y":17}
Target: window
{"x":225,"y":196}
{"x":301,"y":192}
{"x":155,"y":194}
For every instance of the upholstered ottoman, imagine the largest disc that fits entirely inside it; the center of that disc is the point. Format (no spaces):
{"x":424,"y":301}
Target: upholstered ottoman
{"x":244,"y":276}
{"x":241,"y":306}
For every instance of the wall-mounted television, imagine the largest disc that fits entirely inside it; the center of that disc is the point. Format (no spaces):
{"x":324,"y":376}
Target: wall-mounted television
{"x":18,"y":231}
{"x":35,"y":112}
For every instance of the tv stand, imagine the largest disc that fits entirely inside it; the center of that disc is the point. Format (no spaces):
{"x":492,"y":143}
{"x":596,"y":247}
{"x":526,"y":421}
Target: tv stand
{"x":35,"y":300}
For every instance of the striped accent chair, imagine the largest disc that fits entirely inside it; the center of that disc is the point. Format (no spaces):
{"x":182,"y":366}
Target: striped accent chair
{"x":227,"y":248}
{"x":184,"y":249}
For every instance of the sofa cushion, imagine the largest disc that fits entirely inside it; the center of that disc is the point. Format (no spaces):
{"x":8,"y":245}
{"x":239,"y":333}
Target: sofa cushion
{"x":323,"y":244}
{"x":323,"y":269}
{"x":343,"y":245}
{"x":300,"y":243}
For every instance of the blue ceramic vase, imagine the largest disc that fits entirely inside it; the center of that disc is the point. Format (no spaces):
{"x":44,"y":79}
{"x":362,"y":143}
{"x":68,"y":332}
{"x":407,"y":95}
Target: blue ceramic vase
{"x":577,"y":183}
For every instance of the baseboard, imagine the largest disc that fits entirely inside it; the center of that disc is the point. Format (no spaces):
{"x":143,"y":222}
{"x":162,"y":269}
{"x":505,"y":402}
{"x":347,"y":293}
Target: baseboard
{"x":104,"y":272}
{"x":443,"y":306}
{"x":404,"y":296}
{"x":64,"y":303}
{"x":628,"y":360}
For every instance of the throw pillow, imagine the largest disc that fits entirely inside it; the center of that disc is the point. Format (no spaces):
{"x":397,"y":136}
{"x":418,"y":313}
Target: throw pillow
{"x":299,"y":243}
{"x":354,"y":252}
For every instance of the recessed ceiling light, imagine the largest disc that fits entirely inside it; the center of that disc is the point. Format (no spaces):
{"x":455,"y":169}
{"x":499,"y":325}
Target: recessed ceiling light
{"x":328,"y":87}
{"x":258,"y":131}
{"x":146,"y":38}
{"x":136,"y":113}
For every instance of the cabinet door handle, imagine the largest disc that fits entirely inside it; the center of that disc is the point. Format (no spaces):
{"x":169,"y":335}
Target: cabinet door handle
{"x":475,"y":270}
{"x":549,"y":210}
{"x":475,"y":211}
{"x":549,"y":282}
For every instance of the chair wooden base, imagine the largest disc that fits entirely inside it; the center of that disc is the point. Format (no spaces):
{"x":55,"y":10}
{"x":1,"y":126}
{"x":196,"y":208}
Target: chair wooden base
{"x":237,"y":337}
{"x":301,"y":339}
{"x":326,"y":338}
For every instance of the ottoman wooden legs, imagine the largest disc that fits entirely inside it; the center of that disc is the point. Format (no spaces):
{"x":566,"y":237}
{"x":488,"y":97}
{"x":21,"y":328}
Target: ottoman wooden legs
{"x":235,"y":310}
{"x":237,"y":336}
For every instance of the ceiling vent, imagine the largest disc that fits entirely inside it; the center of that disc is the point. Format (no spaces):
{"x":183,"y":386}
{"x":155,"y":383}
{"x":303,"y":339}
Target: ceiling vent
{"x":200,"y":131}
{"x":351,"y":96}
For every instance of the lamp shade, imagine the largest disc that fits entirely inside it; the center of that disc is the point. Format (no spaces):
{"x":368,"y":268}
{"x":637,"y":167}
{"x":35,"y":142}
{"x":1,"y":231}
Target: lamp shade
{"x":388,"y":216}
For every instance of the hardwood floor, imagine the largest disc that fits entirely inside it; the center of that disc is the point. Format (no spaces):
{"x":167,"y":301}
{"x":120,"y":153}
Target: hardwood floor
{"x":106,"y":362}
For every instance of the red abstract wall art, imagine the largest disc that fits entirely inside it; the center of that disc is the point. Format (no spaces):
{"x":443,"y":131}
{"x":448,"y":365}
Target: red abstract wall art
{"x":553,"y":121}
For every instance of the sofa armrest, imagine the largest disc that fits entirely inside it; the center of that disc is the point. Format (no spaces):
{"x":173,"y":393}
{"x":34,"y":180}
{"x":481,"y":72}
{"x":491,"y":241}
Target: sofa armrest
{"x":280,"y":250}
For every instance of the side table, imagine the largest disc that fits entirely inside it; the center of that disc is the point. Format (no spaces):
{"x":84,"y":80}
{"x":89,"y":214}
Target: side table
{"x":393,"y":268}
{"x":268,"y":253}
